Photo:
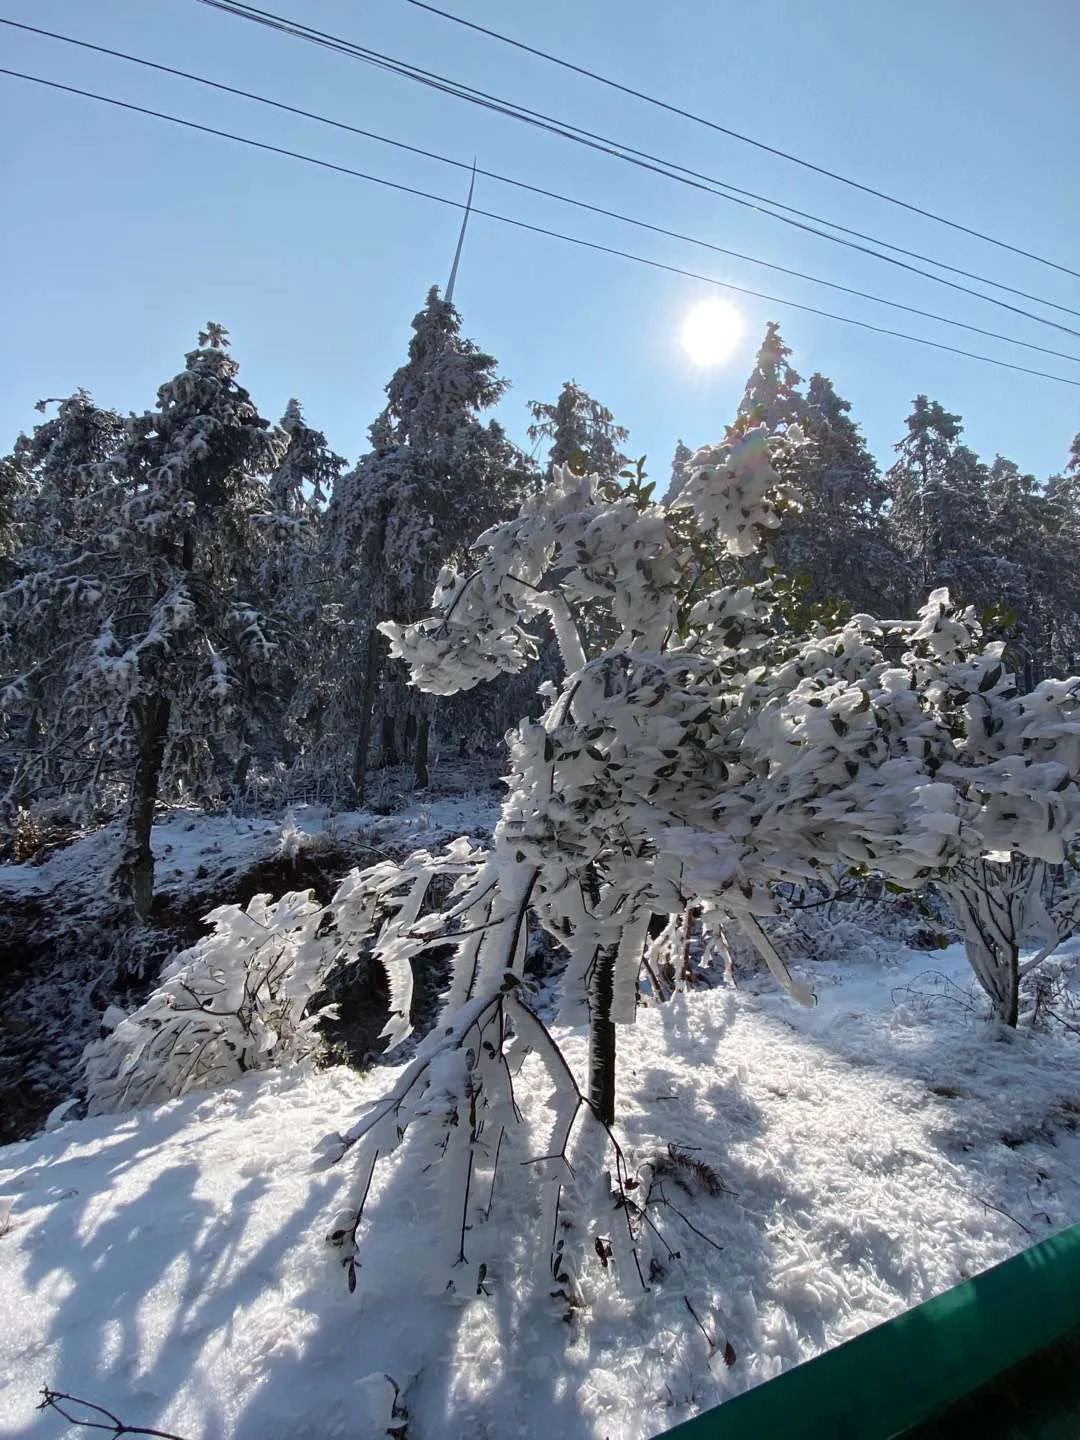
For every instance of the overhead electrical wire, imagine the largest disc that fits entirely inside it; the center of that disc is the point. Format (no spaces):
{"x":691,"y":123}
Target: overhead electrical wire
{"x":643,"y":159}
{"x":738,"y":135}
{"x":533,"y":189}
{"x":536,"y":229}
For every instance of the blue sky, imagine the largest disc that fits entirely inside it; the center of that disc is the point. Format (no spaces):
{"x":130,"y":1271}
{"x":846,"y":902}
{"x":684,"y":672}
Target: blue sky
{"x":122,"y":235}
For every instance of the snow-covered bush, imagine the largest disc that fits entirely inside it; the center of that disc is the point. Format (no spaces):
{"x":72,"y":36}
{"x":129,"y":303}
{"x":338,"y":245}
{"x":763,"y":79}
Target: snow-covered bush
{"x":241,"y":998}
{"x":236,"y":1001}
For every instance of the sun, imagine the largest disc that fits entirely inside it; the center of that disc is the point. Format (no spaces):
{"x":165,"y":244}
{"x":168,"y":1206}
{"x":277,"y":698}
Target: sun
{"x":711,"y":331}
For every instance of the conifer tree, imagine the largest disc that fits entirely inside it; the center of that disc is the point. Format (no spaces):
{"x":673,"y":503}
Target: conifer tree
{"x":150,"y":655}
{"x":919,"y":483}
{"x":45,"y":506}
{"x":299,"y":591}
{"x":679,"y":472}
{"x":835,"y":545}
{"x":837,"y":540}
{"x":436,"y":476}
{"x":580,"y":432}
{"x":772,"y":395}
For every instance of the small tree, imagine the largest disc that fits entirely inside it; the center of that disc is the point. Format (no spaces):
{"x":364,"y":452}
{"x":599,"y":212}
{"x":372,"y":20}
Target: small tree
{"x":772,"y":397}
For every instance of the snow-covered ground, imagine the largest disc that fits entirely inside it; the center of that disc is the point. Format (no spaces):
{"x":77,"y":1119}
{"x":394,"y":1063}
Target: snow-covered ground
{"x":193,"y":850}
{"x":877,"y":1149}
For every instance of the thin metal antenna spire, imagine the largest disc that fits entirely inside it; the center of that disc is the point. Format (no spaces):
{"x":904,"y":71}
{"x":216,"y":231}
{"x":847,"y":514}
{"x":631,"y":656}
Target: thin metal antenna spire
{"x":461,"y":237}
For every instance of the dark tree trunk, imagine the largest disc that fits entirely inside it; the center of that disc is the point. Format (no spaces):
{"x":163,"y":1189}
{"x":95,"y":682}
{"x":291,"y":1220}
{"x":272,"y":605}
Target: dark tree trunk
{"x":389,"y":751}
{"x":243,"y":765}
{"x":409,"y":736}
{"x":602,"y":1038}
{"x":134,"y":875}
{"x":421,"y":778}
{"x":372,"y":667}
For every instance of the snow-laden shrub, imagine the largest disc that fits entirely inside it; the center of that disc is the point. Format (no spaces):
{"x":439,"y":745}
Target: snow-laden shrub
{"x":236,"y":1001}
{"x":241,"y":998}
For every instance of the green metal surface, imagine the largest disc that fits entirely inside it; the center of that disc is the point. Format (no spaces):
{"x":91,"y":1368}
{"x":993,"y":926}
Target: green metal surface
{"x":978,"y":1345}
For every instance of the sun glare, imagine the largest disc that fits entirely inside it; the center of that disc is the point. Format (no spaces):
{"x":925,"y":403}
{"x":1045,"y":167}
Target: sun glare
{"x":711,"y":331}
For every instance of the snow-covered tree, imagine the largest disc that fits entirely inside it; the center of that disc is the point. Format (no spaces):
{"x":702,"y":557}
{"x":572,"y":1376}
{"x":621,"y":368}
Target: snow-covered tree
{"x":939,"y":502}
{"x":435,"y":477}
{"x":679,"y":461}
{"x":57,"y":458}
{"x":302,"y":483}
{"x":836,"y":546}
{"x":908,"y":748}
{"x":772,"y":397}
{"x":666,"y":774}
{"x":141,"y":652}
{"x":44,"y":485}
{"x":579,"y":432}
{"x":300,"y":592}
{"x":838,"y":540}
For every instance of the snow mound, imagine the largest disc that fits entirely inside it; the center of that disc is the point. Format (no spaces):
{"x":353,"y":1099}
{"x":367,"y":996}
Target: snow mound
{"x":169,"y":1263}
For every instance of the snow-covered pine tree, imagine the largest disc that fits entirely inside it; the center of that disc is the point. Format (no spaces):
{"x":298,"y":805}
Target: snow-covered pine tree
{"x":435,"y":477}
{"x":56,"y":458}
{"x":836,"y":546}
{"x":991,"y":534}
{"x":302,"y":483}
{"x":1020,"y":571}
{"x":44,"y":514}
{"x":300,"y":593}
{"x":12,"y":488}
{"x":772,"y":397}
{"x":938,"y":512}
{"x":144,"y":652}
{"x":579,"y":432}
{"x":838,"y":539}
{"x":679,"y":462}
{"x":1063,"y":498}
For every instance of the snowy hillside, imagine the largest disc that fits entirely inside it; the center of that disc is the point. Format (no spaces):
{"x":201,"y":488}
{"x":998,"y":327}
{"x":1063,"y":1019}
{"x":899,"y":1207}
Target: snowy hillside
{"x":170,"y":1264}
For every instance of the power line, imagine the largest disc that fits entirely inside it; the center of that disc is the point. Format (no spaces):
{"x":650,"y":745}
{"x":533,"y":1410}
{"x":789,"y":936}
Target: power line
{"x":537,"y":229}
{"x":746,"y":139}
{"x":567,"y":130}
{"x":536,"y":189}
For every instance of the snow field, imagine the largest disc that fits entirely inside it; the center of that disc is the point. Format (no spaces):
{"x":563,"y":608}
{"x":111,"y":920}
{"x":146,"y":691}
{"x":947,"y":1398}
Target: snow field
{"x":169,"y":1263}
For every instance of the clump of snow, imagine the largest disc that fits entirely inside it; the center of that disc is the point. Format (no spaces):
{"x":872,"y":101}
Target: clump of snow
{"x":168,"y":1263}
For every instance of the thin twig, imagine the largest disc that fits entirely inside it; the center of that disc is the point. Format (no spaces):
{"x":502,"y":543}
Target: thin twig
{"x":56,"y":1399}
{"x":987,"y":1205}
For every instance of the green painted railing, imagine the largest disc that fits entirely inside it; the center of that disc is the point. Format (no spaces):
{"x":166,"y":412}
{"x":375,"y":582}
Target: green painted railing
{"x":994,"y":1357}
